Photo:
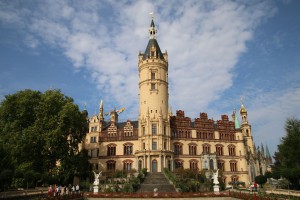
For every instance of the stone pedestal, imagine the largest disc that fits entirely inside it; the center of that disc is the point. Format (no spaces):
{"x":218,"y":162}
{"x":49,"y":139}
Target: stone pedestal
{"x":95,"y":188}
{"x":216,"y":188}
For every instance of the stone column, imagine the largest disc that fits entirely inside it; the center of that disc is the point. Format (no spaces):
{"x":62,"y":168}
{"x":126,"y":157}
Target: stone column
{"x":148,"y":164}
{"x":159,"y":163}
{"x":137,"y":163}
{"x":144,"y":161}
{"x":172,"y":163}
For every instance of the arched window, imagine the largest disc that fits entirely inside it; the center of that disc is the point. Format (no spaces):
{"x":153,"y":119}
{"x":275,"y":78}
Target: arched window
{"x":221,"y":165}
{"x":233,"y":166}
{"x":128,"y":148}
{"x":178,"y":148}
{"x":219,"y":150}
{"x":231,"y":150}
{"x":127,"y":165}
{"x":111,"y":149}
{"x":194,"y":164}
{"x":234,"y":178}
{"x":211,"y":164}
{"x":192,"y":149}
{"x":178,"y":164}
{"x":206,"y":148}
{"x":111,"y":165}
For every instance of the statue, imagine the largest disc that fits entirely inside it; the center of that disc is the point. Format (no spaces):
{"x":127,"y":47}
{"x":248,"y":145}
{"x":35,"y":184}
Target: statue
{"x":96,"y":181}
{"x":215,"y":176}
{"x":216,"y":182}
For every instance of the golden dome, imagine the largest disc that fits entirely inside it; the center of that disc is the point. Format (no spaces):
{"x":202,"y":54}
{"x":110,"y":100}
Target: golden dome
{"x":243,"y":109}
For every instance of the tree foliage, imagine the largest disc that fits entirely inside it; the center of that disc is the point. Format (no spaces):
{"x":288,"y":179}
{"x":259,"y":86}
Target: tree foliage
{"x":261,"y":180}
{"x":40,"y":133}
{"x":287,"y":159}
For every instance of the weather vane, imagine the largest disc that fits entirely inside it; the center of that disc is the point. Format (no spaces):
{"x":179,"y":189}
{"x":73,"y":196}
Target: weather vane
{"x":151,"y":14}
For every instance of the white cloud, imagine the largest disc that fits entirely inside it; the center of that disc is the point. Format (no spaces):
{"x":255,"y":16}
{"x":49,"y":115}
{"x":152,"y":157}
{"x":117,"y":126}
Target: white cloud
{"x":269,"y":111}
{"x":204,"y":40}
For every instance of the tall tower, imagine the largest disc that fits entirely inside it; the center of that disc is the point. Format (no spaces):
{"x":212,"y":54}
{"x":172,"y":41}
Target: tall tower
{"x":154,"y":127}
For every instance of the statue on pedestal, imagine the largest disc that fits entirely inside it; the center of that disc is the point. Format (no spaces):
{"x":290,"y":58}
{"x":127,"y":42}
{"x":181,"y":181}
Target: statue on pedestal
{"x":216,"y":182}
{"x":215,"y":176}
{"x":96,"y":181}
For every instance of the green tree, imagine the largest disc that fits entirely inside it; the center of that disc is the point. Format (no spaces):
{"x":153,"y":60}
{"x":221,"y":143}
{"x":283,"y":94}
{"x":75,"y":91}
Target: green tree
{"x":268,"y":174}
{"x":42,"y":130}
{"x":261,"y":180}
{"x":287,"y":159}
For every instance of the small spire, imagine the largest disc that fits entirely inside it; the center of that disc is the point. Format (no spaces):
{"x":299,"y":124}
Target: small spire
{"x":101,"y":114}
{"x":243,"y":109}
{"x":152,"y":29}
{"x":236,"y":122}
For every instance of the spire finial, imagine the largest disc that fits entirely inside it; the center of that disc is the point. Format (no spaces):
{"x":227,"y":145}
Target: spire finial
{"x":152,"y":29}
{"x":85,"y":105}
{"x":152,"y":15}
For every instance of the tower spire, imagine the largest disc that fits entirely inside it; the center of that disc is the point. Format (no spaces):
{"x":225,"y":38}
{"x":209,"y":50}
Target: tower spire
{"x":101,"y":117}
{"x":236,"y":121}
{"x":152,"y":29}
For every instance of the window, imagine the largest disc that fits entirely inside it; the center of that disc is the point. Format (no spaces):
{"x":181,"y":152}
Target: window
{"x":193,"y":164}
{"x":234,"y":178}
{"x":154,"y":129}
{"x":93,"y":139}
{"x":192,"y":149}
{"x":206,"y":148}
{"x":165,"y":145}
{"x":219,"y":150}
{"x":94,"y":128}
{"x":164,"y":130}
{"x":127,"y":165}
{"x":152,"y":54}
{"x":178,"y":164}
{"x":233,"y":167}
{"x":144,"y":130}
{"x":178,"y":149}
{"x":152,"y":76}
{"x":211,"y":164}
{"x":154,"y":145}
{"x":152,"y":86}
{"x":144,"y":146}
{"x":111,"y":165}
{"x":111,"y":150}
{"x":128,"y":149}
{"x":221,"y":165}
{"x":231,"y":150}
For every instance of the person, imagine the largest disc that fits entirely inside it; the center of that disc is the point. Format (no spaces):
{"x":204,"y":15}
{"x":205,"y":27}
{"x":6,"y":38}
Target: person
{"x":54,"y":190}
{"x":255,"y":186}
{"x":50,"y":190}
{"x":77,"y":189}
{"x":67,"y":190}
{"x":73,"y":189}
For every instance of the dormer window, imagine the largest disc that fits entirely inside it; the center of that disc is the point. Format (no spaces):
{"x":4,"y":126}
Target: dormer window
{"x":152,"y":54}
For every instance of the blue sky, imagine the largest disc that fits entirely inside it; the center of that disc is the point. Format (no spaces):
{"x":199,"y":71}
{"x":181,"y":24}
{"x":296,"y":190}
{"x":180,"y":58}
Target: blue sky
{"x":218,"y":51}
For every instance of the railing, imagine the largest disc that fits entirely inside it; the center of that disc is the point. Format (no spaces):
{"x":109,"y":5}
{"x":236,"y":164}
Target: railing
{"x":157,"y":195}
{"x":118,"y":138}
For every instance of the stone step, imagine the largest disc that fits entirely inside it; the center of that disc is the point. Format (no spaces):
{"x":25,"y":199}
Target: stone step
{"x":156,"y":180}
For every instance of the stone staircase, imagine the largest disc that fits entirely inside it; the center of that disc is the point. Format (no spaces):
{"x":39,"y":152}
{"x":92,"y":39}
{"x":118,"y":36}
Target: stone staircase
{"x":156,"y":180}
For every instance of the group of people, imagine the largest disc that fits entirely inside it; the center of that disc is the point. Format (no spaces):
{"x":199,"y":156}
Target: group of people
{"x":65,"y":190}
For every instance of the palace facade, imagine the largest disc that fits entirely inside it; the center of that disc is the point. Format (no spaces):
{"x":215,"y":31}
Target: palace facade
{"x":159,"y":139}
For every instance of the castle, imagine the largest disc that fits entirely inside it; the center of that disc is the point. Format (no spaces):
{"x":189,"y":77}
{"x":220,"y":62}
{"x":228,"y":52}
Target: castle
{"x":160,"y":139}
